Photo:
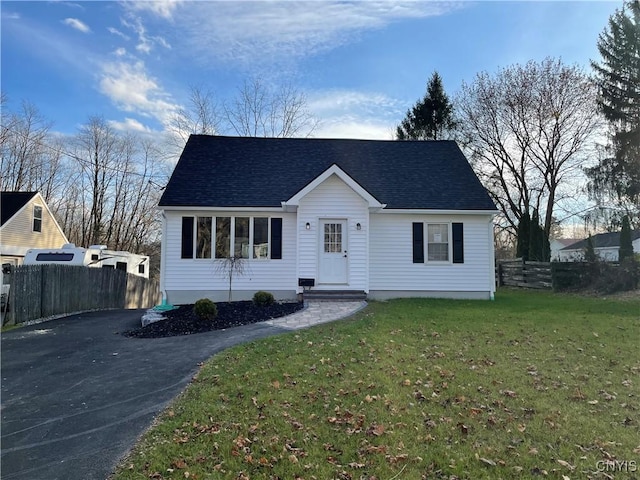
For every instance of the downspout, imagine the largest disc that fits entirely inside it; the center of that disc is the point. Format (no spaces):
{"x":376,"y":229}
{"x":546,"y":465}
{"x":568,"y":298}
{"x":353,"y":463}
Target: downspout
{"x":163,"y":253}
{"x":492,"y":260}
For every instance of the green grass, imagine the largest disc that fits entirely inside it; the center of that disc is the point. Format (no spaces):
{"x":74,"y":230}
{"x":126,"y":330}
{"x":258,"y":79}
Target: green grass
{"x":533,"y":385}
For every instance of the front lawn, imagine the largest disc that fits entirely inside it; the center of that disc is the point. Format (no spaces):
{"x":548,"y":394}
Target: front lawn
{"x":533,"y":385}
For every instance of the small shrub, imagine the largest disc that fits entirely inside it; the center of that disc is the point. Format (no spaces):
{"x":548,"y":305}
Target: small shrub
{"x":263,"y":299}
{"x":205,"y":309}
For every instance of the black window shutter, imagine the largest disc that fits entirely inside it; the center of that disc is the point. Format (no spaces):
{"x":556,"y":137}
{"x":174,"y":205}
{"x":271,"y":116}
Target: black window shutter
{"x":187,"y":237}
{"x":276,"y":238}
{"x":458,"y":242}
{"x":418,"y":242}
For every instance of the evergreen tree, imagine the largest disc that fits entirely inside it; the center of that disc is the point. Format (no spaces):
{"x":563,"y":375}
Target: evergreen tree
{"x":539,"y":248}
{"x":626,"y":245}
{"x":522,"y":247}
{"x":618,"y":79}
{"x":590,"y":252}
{"x":430,"y":118}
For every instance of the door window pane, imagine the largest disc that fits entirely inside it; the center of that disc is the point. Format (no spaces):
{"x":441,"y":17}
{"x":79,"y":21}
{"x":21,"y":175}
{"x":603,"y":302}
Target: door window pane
{"x":332,"y":237}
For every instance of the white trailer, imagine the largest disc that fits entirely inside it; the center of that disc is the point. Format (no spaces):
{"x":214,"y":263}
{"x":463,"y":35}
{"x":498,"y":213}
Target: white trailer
{"x":96,"y":256}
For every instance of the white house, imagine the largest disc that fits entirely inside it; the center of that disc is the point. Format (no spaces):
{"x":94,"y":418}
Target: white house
{"x":558,"y":244}
{"x":605,"y":245}
{"x":384,"y":218}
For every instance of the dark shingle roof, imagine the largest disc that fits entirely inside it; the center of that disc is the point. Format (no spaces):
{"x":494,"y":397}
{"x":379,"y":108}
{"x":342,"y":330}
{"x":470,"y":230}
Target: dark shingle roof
{"x":263,"y":172}
{"x":602,"y":240}
{"x":11,"y":202}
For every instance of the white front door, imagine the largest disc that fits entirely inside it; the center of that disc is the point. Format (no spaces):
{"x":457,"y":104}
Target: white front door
{"x":333,"y":252}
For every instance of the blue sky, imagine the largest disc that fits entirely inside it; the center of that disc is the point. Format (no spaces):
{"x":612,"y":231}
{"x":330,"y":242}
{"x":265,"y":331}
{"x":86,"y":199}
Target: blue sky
{"x":360,"y":64}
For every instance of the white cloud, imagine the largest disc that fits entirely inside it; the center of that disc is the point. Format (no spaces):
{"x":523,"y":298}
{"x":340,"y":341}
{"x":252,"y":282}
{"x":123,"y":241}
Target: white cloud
{"x":130,"y":87}
{"x":146,"y":42}
{"x":249,"y":32}
{"x":115,"y":31}
{"x":120,"y":52}
{"x":77,"y":24}
{"x":130,"y":125}
{"x":161,"y":8}
{"x":10,"y":15}
{"x":354,"y":114}
{"x":351,"y":127}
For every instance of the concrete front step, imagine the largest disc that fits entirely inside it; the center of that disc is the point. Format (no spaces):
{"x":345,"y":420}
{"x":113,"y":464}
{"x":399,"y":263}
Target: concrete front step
{"x":335,"y":295}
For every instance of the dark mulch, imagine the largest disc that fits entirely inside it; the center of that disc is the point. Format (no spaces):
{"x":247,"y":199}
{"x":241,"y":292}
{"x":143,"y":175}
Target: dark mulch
{"x":184,"y":321}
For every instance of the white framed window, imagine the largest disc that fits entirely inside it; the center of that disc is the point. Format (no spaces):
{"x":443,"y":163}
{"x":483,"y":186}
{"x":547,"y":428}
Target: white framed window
{"x":256,"y":238}
{"x":246,"y":237}
{"x":438,"y":244}
{"x":37,"y":218}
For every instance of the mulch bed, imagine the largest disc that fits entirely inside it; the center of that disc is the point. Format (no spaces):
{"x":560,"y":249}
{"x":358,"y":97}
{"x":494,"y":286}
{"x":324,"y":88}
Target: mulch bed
{"x":184,"y":321}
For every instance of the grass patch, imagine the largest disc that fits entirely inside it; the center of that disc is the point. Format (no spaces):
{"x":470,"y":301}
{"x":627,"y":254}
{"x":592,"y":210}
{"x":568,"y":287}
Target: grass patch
{"x":533,"y":384}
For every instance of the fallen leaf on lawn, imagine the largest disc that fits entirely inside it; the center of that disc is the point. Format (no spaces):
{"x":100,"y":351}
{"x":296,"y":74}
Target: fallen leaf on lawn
{"x":356,"y":465}
{"x":509,"y":393}
{"x":564,"y":477}
{"x":293,"y":459}
{"x":533,"y":451}
{"x":487,"y":461}
{"x":592,"y":402}
{"x":396,"y":458}
{"x":180,"y":464}
{"x":566,"y":464}
{"x":375,"y":430}
{"x":276,"y":384}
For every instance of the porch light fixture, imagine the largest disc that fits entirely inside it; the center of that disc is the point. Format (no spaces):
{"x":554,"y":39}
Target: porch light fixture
{"x":308,"y":226}
{"x":358,"y":226}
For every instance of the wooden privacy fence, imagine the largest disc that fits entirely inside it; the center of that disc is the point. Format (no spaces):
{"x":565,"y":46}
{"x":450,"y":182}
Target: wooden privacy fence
{"x":518,"y":273}
{"x":40,"y":291}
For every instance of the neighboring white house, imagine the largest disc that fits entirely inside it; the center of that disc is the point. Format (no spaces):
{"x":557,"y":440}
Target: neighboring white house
{"x":606,"y":246}
{"x":26,"y":222}
{"x":386,"y":218}
{"x":558,"y":244}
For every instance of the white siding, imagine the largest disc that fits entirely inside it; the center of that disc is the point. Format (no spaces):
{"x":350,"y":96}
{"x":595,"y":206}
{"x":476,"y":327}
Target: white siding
{"x":186,"y":279}
{"x":391,"y":252}
{"x":334,"y":199}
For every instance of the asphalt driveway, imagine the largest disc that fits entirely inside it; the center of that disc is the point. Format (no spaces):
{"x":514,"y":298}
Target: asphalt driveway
{"x":76,"y":394}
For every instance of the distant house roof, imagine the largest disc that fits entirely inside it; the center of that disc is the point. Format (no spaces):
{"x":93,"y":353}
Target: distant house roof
{"x":602,"y":240}
{"x":263,"y":172}
{"x":12,"y":202}
{"x":566,"y":241}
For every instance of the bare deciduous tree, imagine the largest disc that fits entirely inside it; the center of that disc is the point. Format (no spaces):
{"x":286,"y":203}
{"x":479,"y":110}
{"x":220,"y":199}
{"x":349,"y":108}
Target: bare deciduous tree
{"x":528,"y":130}
{"x":201,"y":115}
{"x":30,"y":158}
{"x":263,"y":111}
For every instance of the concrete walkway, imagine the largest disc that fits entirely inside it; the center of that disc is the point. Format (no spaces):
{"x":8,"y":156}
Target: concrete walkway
{"x":317,"y":312}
